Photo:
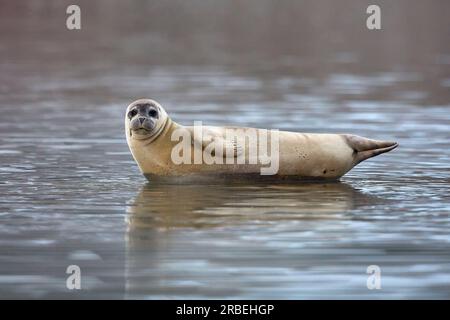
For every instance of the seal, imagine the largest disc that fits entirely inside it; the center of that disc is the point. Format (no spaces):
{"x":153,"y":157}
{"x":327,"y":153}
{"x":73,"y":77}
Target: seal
{"x":154,"y":141}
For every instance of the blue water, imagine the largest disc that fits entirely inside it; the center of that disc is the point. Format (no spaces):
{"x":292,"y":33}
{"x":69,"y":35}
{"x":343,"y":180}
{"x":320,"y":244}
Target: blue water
{"x":71,"y":193}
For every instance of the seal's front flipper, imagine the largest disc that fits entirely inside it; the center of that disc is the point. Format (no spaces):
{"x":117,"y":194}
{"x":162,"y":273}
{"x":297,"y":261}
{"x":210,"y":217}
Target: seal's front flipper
{"x":367,"y":148}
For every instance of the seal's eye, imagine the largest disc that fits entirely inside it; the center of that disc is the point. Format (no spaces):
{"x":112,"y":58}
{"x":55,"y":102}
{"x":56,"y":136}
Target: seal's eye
{"x":152,"y":113}
{"x":132,"y":113}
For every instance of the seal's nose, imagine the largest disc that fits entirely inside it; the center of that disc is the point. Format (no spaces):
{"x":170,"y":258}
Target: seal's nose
{"x":141,"y":120}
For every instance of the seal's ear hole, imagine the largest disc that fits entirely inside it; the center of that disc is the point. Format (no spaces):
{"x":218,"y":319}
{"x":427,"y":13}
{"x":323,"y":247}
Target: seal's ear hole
{"x":152,"y":113}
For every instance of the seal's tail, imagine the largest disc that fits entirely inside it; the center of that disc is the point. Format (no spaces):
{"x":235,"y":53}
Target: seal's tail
{"x":367,"y":148}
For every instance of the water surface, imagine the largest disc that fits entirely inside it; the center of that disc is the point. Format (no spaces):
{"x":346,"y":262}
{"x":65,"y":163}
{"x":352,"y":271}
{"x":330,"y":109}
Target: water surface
{"x":72,"y":194}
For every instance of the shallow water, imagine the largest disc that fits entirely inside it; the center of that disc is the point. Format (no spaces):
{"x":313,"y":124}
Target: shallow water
{"x":71,"y":193}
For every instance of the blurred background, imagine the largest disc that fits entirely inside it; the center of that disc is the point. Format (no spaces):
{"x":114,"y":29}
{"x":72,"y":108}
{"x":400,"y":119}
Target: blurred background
{"x":72,"y":194}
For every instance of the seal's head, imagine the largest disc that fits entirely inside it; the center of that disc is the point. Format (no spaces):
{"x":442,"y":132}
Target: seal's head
{"x":144,"y":120}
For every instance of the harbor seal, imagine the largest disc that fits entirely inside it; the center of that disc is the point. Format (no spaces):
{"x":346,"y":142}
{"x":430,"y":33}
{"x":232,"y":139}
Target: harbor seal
{"x":163,"y":148}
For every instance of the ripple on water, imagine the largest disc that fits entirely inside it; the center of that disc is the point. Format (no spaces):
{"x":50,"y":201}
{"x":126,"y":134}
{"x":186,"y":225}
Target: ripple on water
{"x":77,"y":197}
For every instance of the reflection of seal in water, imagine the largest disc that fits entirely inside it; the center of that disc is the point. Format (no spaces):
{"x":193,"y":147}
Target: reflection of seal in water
{"x":149,"y":135}
{"x":169,"y":206}
{"x":180,"y":236}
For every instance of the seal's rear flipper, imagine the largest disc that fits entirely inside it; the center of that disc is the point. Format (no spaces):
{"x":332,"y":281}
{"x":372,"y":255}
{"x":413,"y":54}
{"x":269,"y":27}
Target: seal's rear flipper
{"x":367,"y":148}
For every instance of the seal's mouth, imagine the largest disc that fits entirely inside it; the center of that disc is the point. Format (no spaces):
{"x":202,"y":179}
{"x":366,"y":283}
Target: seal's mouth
{"x":141,"y":131}
{"x":141,"y":127}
